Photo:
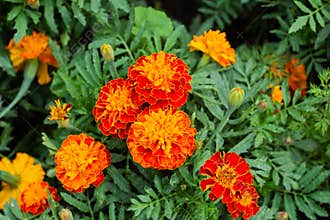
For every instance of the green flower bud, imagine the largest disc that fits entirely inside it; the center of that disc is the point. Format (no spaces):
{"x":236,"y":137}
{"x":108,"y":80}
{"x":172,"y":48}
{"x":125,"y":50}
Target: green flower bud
{"x":107,"y":52}
{"x":282,"y":216}
{"x":65,"y":214}
{"x":236,"y":96}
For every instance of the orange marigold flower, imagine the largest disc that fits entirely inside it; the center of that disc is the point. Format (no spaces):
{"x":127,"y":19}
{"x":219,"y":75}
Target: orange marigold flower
{"x":34,"y":197}
{"x":80,"y":161}
{"x":225,"y":173}
{"x":243,"y":201}
{"x":115,"y":110}
{"x":23,"y":167}
{"x":34,"y":46}
{"x":160,"y":80}
{"x":215,"y":45}
{"x":297,"y":75}
{"x":59,"y":112}
{"x":277,"y":95}
{"x":161,"y":139}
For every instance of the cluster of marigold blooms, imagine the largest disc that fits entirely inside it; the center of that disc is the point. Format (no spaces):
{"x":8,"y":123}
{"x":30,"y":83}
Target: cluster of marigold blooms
{"x":144,"y":110}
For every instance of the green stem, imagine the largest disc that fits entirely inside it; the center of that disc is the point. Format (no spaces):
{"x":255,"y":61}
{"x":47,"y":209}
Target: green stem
{"x":221,"y":125}
{"x":29,"y":74}
{"x":90,"y":208}
{"x":205,"y":60}
{"x":9,"y":178}
{"x":127,"y":48}
{"x":113,"y":70}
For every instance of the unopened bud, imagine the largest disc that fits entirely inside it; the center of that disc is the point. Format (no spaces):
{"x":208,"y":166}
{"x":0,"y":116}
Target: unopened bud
{"x":65,"y":214}
{"x":107,"y":52}
{"x":282,"y":216}
{"x":262,"y":105}
{"x":33,"y":3}
{"x":288,"y":140}
{"x":236,"y":96}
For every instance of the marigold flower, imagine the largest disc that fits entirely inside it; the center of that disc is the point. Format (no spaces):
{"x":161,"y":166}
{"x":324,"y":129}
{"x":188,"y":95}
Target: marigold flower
{"x":80,"y":161}
{"x":161,"y":139}
{"x":297,"y":75}
{"x":34,"y":46}
{"x":225,"y":173}
{"x":115,"y":110}
{"x":34,"y":197}
{"x":244,"y":201}
{"x":277,"y":95}
{"x":24,"y":168}
{"x":160,"y":80}
{"x":59,"y":112}
{"x":215,"y":45}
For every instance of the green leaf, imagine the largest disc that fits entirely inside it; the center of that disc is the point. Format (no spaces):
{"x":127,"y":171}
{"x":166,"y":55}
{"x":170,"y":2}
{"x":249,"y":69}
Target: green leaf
{"x":276,"y":202}
{"x":309,"y":176}
{"x":316,"y":208}
{"x":121,"y":4}
{"x":169,"y":206}
{"x":315,"y":3}
{"x":322,"y":177}
{"x":112,"y":213}
{"x":244,"y":144}
{"x":49,"y":15}
{"x":171,"y":40}
{"x":156,"y":211}
{"x":14,"y":12}
{"x":312,"y":24}
{"x":304,"y":208}
{"x":78,"y":14}
{"x":156,"y":21}
{"x":319,"y":19}
{"x":290,"y":207}
{"x":296,"y":115}
{"x":95,"y":5}
{"x":186,"y":175}
{"x":302,"y":7}
{"x":321,"y":36}
{"x":276,"y":178}
{"x":82,"y":206}
{"x":321,"y":196}
{"x":47,"y":142}
{"x":299,"y":23}
{"x":15,"y":209}
{"x":34,"y":15}
{"x":119,"y":180}
{"x":20,"y":27}
{"x":286,"y":93}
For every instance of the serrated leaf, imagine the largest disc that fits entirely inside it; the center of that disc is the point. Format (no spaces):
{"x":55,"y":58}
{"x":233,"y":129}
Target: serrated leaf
{"x":320,"y":19}
{"x":168,"y":208}
{"x":119,"y":180}
{"x":289,"y":206}
{"x":78,"y":14}
{"x":312,"y":24}
{"x":244,"y":144}
{"x":15,"y":208}
{"x":171,"y":40}
{"x":304,"y":208}
{"x":49,"y":15}
{"x":276,"y":202}
{"x":156,"y":211}
{"x":14,"y":12}
{"x":321,"y":36}
{"x":121,"y":4}
{"x":309,"y":176}
{"x":112,"y":213}
{"x":299,"y":23}
{"x":316,"y":208}
{"x":321,"y":196}
{"x":276,"y":178}
{"x":82,"y":206}
{"x":285,"y":93}
{"x":20,"y":27}
{"x":302,"y":7}
{"x":316,"y":182}
{"x":186,"y":175}
{"x":296,"y":115}
{"x":95,"y":5}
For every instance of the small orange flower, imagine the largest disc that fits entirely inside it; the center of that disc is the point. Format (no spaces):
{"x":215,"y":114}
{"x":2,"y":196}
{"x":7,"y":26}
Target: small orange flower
{"x":297,"y":75}
{"x":80,"y":161}
{"x":243,"y":202}
{"x":215,"y":45}
{"x":24,"y":168}
{"x":225,"y":173}
{"x":34,"y":197}
{"x":160,"y":80}
{"x":277,"y":95}
{"x":114,"y":109}
{"x":161,"y":139}
{"x":59,"y":112}
{"x":34,"y":46}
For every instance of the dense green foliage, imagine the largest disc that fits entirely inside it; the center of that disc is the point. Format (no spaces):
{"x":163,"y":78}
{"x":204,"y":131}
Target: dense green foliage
{"x":287,"y":147}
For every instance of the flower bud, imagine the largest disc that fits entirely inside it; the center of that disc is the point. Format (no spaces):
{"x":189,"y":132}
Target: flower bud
{"x":282,"y":216}
{"x":263,"y":105}
{"x":65,"y":214}
{"x":236,"y":96}
{"x":107,"y":52}
{"x":33,"y":3}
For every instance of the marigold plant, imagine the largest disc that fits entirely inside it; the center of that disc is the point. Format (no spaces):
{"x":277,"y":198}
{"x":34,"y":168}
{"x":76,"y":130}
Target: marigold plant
{"x":215,"y":45}
{"x":34,"y":198}
{"x":115,"y":110}
{"x":159,"y":80}
{"x":24,"y":168}
{"x":34,"y":46}
{"x":80,"y":161}
{"x":161,"y":139}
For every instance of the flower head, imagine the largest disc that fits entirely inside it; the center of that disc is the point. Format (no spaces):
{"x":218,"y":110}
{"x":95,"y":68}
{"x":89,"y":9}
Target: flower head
{"x":236,"y":96}
{"x":59,"y":113}
{"x":215,"y":45}
{"x":115,"y":110}
{"x":159,"y":80}
{"x":24,"y":168}
{"x":34,"y":197}
{"x":297,"y":74}
{"x":34,"y":46}
{"x":107,"y":52}
{"x":225,"y":173}
{"x":244,"y":201}
{"x":161,"y":139}
{"x":277,"y":95}
{"x":80,"y":161}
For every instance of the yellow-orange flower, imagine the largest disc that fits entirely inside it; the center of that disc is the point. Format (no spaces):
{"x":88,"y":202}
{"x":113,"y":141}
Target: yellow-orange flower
{"x":159,"y":80}
{"x":215,"y":45}
{"x":277,"y":95}
{"x":24,"y":168}
{"x":80,"y":161}
{"x":115,"y":110}
{"x":297,"y":74}
{"x":59,"y":112}
{"x":34,"y":197}
{"x":161,"y":139}
{"x":34,"y":46}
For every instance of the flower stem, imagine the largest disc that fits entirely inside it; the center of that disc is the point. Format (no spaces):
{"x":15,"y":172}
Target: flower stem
{"x":90,"y":208}
{"x":29,"y":74}
{"x":113,"y":70}
{"x":9,"y":178}
{"x":205,"y":60}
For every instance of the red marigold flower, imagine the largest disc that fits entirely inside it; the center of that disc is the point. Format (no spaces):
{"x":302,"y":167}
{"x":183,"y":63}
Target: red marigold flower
{"x":160,"y":79}
{"x":161,"y":139}
{"x":225,"y":173}
{"x":114,"y":109}
{"x":80,"y":161}
{"x":243,"y":201}
{"x":34,"y":197}
{"x":297,"y":75}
